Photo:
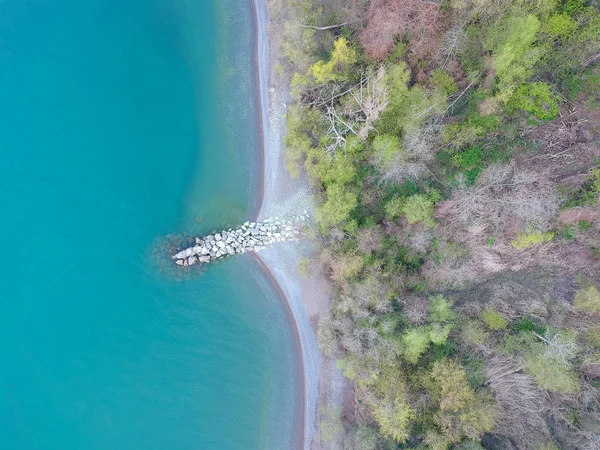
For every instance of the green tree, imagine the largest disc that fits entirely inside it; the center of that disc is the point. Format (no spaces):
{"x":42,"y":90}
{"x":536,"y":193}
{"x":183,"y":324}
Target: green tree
{"x":390,"y":405}
{"x":396,"y":80}
{"x":549,"y":372}
{"x":386,"y":151}
{"x":393,"y":208}
{"x":337,"y":207}
{"x":394,"y":419}
{"x":419,"y":208}
{"x":536,"y":98}
{"x":464,"y":413}
{"x":559,"y":26}
{"x":301,"y":123}
{"x":438,"y":334}
{"x":342,"y":58}
{"x":416,"y":341}
{"x":440,"y":309}
{"x":337,"y":169}
{"x":511,"y":42}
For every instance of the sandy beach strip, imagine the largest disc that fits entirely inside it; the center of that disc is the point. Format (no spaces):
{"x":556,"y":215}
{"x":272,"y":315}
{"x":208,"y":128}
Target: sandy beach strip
{"x":272,"y":127}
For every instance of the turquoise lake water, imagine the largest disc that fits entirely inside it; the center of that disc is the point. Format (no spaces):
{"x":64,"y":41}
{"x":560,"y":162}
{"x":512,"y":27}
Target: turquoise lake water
{"x":123,"y":121}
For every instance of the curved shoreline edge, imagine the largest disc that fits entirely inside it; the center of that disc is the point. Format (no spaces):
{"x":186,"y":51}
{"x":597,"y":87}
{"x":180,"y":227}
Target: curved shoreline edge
{"x":270,"y":163}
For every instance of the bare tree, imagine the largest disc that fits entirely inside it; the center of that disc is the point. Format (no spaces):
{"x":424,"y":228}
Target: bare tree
{"x":421,"y":20}
{"x":520,"y":402}
{"x":503,"y":193}
{"x":451,"y":43}
{"x":371,"y":98}
{"x":558,"y":347}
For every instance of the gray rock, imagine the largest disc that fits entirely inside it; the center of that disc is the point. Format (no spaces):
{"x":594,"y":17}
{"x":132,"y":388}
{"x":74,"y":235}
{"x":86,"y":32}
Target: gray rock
{"x":192,"y":260}
{"x":179,"y":262}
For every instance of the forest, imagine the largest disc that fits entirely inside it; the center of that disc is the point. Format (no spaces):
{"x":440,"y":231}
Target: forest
{"x":453,"y":148}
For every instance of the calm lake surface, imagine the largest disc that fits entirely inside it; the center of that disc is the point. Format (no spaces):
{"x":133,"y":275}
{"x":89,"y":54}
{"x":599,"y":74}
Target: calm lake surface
{"x":123,"y":121}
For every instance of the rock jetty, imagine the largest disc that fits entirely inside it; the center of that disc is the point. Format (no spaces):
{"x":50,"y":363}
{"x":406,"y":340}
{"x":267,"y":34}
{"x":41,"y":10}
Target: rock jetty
{"x":250,"y":237}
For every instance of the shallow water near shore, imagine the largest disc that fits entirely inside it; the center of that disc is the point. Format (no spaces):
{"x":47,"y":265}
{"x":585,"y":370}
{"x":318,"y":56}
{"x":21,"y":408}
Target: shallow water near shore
{"x":124,"y":121}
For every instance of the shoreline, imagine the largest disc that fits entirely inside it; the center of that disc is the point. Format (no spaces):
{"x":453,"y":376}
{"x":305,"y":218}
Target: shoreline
{"x":301,"y":438}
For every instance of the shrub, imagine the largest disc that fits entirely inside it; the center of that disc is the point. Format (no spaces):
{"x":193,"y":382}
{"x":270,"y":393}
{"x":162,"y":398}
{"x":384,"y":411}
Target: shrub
{"x":469,"y":158}
{"x":547,"y":446}
{"x":526,"y":324}
{"x":536,"y":98}
{"x":363,"y":438}
{"x":346,"y":266}
{"x":331,"y":423}
{"x":304,"y":266}
{"x":472,"y":333}
{"x":526,"y":240}
{"x":419,"y":208}
{"x":354,"y":368}
{"x":468,"y":445}
{"x":593,"y":338}
{"x":587,"y":299}
{"x":327,"y":335}
{"x":493,"y":319}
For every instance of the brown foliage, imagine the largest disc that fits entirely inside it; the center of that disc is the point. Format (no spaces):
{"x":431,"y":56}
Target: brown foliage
{"x":420,"y":21}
